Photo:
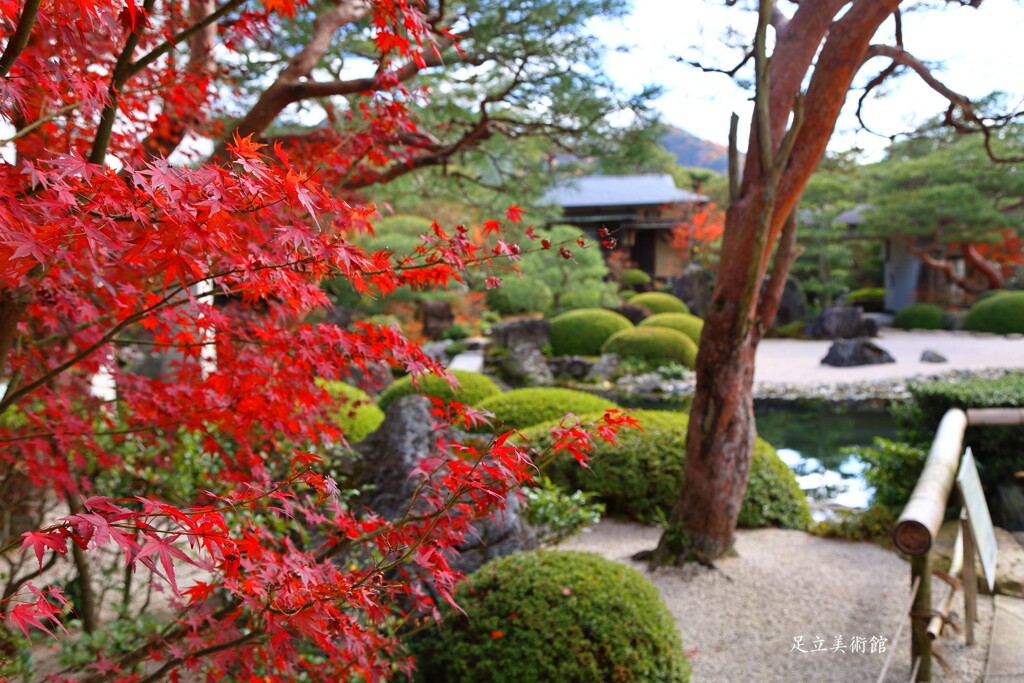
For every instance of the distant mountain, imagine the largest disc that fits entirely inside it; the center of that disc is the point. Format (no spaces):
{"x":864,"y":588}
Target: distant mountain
{"x":690,"y":150}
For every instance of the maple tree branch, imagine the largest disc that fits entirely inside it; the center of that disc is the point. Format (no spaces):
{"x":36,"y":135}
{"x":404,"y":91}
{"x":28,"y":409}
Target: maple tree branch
{"x":18,"y":41}
{"x":175,"y":662}
{"x":156,"y":53}
{"x":122,"y":72}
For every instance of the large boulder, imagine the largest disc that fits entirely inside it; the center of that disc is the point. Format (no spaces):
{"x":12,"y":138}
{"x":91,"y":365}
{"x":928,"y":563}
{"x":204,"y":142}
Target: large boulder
{"x":525,"y":363}
{"x":793,"y":306}
{"x":694,"y":287}
{"x":437,"y":317}
{"x":847,"y":353}
{"x":511,"y":333}
{"x":388,"y":457}
{"x":841,"y":322}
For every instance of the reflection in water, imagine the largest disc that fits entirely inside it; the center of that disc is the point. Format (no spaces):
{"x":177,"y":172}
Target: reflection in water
{"x":810,"y":438}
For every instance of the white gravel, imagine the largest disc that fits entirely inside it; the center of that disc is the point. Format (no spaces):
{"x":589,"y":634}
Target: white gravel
{"x":739,"y":622}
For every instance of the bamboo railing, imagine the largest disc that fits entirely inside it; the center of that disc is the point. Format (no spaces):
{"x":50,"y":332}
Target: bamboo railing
{"x":918,"y":526}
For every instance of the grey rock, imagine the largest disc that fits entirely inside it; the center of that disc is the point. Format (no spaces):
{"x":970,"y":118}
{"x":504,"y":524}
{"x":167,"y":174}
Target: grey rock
{"x":632,"y":312}
{"x":841,"y":322}
{"x":694,"y":287}
{"x":846,"y":353}
{"x":437,"y":317}
{"x":525,"y":363}
{"x":388,"y":456}
{"x":1007,"y":505}
{"x":373,"y":380}
{"x":512,"y":333}
{"x":605,"y":367}
{"x":932,"y":356}
{"x":575,"y":367}
{"x":438,"y":350}
{"x":793,"y":306}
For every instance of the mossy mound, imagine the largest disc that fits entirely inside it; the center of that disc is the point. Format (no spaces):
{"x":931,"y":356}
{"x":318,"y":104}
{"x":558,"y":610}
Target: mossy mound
{"x":522,"y":408}
{"x":546,"y":615}
{"x":584,"y":331}
{"x":655,"y":345}
{"x":660,"y":302}
{"x":640,"y":477}
{"x":1001,"y":313}
{"x":353,"y":411}
{"x":473,"y":388}
{"x":688,"y":324}
{"x":920,"y":317}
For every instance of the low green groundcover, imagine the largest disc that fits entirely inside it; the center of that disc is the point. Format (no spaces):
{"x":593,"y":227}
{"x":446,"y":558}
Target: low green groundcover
{"x":558,"y":617}
{"x":356,"y":413}
{"x":640,"y":477}
{"x":473,"y":388}
{"x":522,"y":408}
{"x":584,"y":331}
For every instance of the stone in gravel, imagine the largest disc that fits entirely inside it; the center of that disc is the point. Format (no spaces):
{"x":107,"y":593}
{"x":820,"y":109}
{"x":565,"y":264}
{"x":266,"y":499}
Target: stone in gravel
{"x":932,"y":356}
{"x":847,"y":353}
{"x":793,"y":305}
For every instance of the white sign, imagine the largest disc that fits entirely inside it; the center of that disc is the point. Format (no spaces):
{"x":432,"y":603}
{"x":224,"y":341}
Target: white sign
{"x":973,"y":497}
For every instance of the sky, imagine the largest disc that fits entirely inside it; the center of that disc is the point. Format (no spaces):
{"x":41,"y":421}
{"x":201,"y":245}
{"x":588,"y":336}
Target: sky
{"x":976,"y":51}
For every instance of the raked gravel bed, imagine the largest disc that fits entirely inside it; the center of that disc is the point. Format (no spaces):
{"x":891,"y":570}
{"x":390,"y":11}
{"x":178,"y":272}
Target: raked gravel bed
{"x":739,"y":622}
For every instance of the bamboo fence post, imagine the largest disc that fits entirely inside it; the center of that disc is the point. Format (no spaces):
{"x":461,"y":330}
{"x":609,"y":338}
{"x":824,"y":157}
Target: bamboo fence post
{"x":921,"y":646}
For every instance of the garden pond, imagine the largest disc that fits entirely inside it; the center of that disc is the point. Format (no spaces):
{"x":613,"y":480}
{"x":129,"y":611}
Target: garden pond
{"x":811,"y":437}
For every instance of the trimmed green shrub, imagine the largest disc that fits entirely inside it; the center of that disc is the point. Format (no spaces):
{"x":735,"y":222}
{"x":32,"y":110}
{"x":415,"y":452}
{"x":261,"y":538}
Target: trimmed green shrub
{"x":996,"y":449}
{"x":356,"y":413}
{"x":473,"y":388}
{"x":549,"y":615}
{"x":583,"y":332}
{"x":1002,"y":313}
{"x":655,"y":345}
{"x":555,"y":514}
{"x":516,"y":295}
{"x":634,"y":277}
{"x":640,"y":477}
{"x":522,"y":408}
{"x":660,"y":302}
{"x":892,"y":469}
{"x":690,"y":325}
{"x":920,"y":317}
{"x":871,"y":299}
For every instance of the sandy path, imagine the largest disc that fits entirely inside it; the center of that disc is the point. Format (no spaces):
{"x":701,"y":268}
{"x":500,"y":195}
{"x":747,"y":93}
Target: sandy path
{"x":788,"y":584}
{"x":799,"y":361}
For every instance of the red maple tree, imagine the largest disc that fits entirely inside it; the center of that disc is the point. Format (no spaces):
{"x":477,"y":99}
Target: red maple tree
{"x":214,"y":461}
{"x":697,"y":236}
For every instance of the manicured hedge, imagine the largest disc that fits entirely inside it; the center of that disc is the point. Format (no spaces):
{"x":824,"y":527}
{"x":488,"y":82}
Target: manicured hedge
{"x":583,"y":332}
{"x":1001,"y":313}
{"x":871,"y":299}
{"x":920,"y":316}
{"x":355,"y":413}
{"x":688,"y":324}
{"x":516,"y":295}
{"x":997,"y":449}
{"x":556,"y":616}
{"x":660,"y":302}
{"x":654,"y":345}
{"x":473,"y":388}
{"x":522,"y":408}
{"x":633,"y":277}
{"x":640,"y":477}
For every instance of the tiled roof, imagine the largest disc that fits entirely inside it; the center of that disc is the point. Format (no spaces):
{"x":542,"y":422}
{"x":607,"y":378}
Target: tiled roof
{"x":651,"y":189}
